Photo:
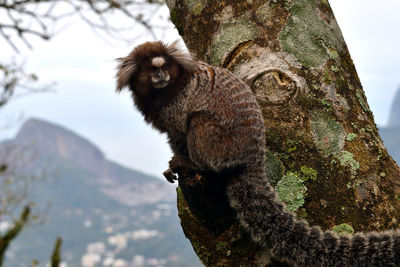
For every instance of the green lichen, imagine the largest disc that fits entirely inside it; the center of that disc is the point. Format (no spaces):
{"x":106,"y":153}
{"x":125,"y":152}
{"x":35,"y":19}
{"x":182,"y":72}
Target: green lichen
{"x":364,"y":105}
{"x":291,"y":145}
{"x":274,"y":168}
{"x":196,"y":6}
{"x":328,"y":135}
{"x":231,"y":34}
{"x":351,"y":136}
{"x":334,"y":68}
{"x":383,"y":174}
{"x":308,"y":173}
{"x":307,"y":36}
{"x":203,"y":254}
{"x":353,"y":184}
{"x":180,"y":199}
{"x":346,"y":159}
{"x":291,"y":191}
{"x":327,"y":77}
{"x":343,"y":228}
{"x":333,"y":53}
{"x":325,"y":102}
{"x":221,"y":245}
{"x":264,"y":12}
{"x":302,"y":213}
{"x":349,"y":185}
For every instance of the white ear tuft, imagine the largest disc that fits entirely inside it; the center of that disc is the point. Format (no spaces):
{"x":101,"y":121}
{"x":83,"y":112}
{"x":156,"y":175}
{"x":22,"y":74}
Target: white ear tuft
{"x":182,"y":57}
{"x":126,"y":69}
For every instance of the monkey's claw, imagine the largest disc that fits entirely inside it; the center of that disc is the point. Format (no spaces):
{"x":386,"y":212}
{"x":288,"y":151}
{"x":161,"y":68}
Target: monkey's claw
{"x":170,"y":176}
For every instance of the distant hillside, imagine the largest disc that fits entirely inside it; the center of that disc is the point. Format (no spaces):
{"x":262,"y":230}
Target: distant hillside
{"x":391,"y":133}
{"x":391,"y":139}
{"x":104,"y":212}
{"x":52,"y":144}
{"x":394,"y":117}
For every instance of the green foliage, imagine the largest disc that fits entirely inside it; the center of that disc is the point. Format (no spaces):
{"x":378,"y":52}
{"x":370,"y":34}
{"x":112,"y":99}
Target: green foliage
{"x":56,"y":255}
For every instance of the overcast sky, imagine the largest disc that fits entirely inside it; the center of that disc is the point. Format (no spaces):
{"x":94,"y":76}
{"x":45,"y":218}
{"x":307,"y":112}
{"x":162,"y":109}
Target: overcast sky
{"x":85,"y":102}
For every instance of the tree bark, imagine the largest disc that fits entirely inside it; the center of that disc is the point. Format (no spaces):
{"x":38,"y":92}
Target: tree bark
{"x":325,"y":156}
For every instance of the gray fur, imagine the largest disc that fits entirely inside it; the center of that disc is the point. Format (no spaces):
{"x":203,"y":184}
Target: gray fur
{"x":214,"y":123}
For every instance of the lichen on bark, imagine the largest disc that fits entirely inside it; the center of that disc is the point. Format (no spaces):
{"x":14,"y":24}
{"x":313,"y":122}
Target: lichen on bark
{"x":308,"y":36}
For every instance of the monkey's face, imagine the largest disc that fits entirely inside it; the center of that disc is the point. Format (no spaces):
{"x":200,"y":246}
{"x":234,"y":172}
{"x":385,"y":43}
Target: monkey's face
{"x":157,"y":73}
{"x":161,"y":72}
{"x":152,"y":68}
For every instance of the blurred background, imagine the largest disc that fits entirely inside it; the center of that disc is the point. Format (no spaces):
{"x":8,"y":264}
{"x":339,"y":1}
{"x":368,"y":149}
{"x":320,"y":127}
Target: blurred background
{"x":100,"y":190}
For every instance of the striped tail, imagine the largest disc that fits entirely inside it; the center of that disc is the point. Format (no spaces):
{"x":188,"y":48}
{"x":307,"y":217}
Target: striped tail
{"x":294,"y":241}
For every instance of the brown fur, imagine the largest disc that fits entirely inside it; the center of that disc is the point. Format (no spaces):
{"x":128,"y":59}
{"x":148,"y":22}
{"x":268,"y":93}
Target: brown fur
{"x":214,"y":124}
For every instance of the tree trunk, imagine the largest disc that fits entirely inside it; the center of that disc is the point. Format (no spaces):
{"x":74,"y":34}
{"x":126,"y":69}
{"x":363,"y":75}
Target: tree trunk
{"x":325,"y":157}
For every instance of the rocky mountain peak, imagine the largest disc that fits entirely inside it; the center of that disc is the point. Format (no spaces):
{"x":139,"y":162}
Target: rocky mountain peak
{"x":48,"y":139}
{"x":68,"y":152}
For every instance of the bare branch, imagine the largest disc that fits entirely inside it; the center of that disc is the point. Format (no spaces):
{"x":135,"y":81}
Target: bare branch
{"x":7,"y":38}
{"x":13,"y":77}
{"x":25,"y":18}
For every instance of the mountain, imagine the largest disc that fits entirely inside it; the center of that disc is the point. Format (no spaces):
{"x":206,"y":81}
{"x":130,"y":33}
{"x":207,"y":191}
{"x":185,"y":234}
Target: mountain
{"x":394,"y":117}
{"x":391,"y":139}
{"x":391,"y":134}
{"x":48,"y":141}
{"x":105,"y":213}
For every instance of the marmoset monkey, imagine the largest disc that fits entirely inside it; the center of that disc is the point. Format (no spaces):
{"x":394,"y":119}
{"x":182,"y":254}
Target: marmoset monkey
{"x":214,"y":124}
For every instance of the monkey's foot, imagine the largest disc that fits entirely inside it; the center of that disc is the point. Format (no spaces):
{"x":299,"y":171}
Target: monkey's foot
{"x":170,"y":176}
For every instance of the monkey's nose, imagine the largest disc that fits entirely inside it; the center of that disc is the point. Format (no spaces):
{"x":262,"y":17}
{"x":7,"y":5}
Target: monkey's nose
{"x":161,"y":80}
{"x":164,"y":76}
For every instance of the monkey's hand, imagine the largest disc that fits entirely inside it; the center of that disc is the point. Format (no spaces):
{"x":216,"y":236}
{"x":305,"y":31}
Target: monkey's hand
{"x":170,"y":176}
{"x":181,"y":166}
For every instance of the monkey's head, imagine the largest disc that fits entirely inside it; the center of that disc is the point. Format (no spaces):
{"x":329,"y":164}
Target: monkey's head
{"x":152,"y":67}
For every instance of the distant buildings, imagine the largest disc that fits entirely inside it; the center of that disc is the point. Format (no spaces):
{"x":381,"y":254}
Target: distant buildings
{"x":104,"y":254}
